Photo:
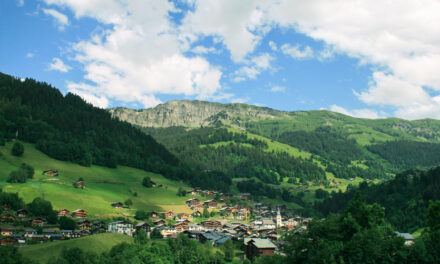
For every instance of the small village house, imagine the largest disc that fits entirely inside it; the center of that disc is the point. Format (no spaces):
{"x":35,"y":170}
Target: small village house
{"x":211,"y":224}
{"x":192,"y":202}
{"x":143,"y":226}
{"x":22,"y":213}
{"x":63,"y":212}
{"x":51,"y":173}
{"x":8,"y":241}
{"x":6,"y":231}
{"x":121,"y":227}
{"x":168,"y":214}
{"x":7,"y":218}
{"x":117,"y":205}
{"x":255,"y":247}
{"x":210,"y":204}
{"x":37,"y":221}
{"x":79,"y":213}
{"x":80,"y":184}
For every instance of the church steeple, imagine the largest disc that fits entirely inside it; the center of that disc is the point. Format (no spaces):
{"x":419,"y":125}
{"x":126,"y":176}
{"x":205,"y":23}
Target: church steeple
{"x":279,"y":221}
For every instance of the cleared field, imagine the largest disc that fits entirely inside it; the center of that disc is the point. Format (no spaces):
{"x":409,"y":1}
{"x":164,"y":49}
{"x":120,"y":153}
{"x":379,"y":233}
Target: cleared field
{"x":103,"y":185}
{"x":96,"y":244}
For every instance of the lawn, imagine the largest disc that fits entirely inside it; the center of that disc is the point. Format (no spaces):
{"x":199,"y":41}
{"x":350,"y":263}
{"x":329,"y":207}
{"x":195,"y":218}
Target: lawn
{"x":96,"y":244}
{"x":104,"y":185}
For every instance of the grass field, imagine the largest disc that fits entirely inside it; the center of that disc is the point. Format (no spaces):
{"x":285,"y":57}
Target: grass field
{"x":104,"y":185}
{"x":96,"y":244}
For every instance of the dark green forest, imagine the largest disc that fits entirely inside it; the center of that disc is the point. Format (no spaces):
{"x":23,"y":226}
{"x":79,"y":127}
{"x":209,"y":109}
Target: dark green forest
{"x":405,"y":198}
{"x":69,"y":129}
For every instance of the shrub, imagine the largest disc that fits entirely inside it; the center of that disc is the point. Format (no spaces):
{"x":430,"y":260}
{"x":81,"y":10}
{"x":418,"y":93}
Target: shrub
{"x":17,"y":149}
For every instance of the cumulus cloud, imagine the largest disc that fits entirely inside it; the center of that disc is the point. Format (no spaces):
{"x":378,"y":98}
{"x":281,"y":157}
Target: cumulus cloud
{"x":400,"y":37}
{"x":61,"y":19}
{"x":20,"y":3}
{"x":58,"y":65}
{"x":360,"y":113}
{"x":254,"y":67}
{"x":277,"y":88}
{"x":30,"y":55}
{"x":297,"y":52}
{"x":139,"y":56}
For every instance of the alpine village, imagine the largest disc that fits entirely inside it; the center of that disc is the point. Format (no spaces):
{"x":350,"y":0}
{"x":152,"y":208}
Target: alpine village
{"x":219,"y":132}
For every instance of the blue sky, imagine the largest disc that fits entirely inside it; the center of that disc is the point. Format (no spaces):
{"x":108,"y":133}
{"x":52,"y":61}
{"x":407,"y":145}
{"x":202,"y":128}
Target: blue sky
{"x":354,"y":57}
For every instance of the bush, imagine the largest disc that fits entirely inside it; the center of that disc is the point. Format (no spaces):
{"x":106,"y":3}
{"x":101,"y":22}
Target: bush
{"x":67,"y":223}
{"x":141,"y":215}
{"x":18,"y":176}
{"x":28,"y":170}
{"x":17,"y":149}
{"x":146,"y":182}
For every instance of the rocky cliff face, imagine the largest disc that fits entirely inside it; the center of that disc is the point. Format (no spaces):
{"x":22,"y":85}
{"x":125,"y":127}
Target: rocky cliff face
{"x":195,"y":114}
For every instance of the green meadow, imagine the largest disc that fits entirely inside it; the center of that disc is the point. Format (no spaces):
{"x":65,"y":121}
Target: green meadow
{"x":103,"y":185}
{"x":97,"y":244}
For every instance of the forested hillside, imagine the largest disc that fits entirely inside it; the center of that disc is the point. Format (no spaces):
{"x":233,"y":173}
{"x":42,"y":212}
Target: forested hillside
{"x":405,"y":198}
{"x":69,"y":129}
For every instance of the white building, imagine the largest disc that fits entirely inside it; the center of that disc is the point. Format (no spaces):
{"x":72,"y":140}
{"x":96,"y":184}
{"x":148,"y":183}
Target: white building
{"x":121,"y":227}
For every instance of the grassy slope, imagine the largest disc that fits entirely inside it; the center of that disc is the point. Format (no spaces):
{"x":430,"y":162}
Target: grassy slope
{"x":96,"y":244}
{"x":104,"y":185}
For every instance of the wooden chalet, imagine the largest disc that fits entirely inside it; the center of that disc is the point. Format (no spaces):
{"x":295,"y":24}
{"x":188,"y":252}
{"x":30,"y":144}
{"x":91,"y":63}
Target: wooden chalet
{"x":98,"y":226}
{"x":181,"y":227}
{"x":197,"y":207}
{"x":117,"y":205}
{"x":80,"y":184}
{"x":193,"y":192}
{"x":183,"y":216}
{"x":211,"y":224}
{"x":63,"y":212}
{"x":192,"y":202}
{"x":196,"y":214}
{"x":168,"y":214}
{"x":143,"y":226}
{"x":30,"y":232}
{"x":8,"y":241}
{"x":79,"y":213}
{"x":22,"y":213}
{"x":37,"y":221}
{"x":244,"y":196}
{"x":5,"y":207}
{"x":159,"y":222}
{"x":51,"y":173}
{"x":154,"y":214}
{"x":255,"y":247}
{"x":7,"y":218}
{"x":210,"y":204}
{"x":84,"y":224}
{"x":6,"y":231}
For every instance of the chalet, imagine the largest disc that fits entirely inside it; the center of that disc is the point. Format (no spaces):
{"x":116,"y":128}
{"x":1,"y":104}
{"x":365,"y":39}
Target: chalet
{"x":168,"y":232}
{"x":154,"y":214}
{"x":5,"y":207}
{"x":48,"y":232}
{"x":183,"y":216}
{"x":196,"y":214}
{"x":67,"y":233}
{"x":197,"y":207}
{"x":143,"y":226}
{"x":30,"y":232}
{"x":63,"y":212}
{"x":208,"y":193}
{"x":211,"y":224}
{"x":81,"y":233}
{"x":7,"y":218}
{"x":51,"y":173}
{"x":22,"y":213}
{"x":8,"y":241}
{"x":84,"y":224}
{"x":168,"y":214}
{"x":117,"y":205}
{"x":79,"y":213}
{"x":80,"y":184}
{"x":268,"y":224}
{"x":55,"y":237}
{"x":180,"y":227}
{"x":195,"y":227}
{"x":37,"y":221}
{"x":159,"y":222}
{"x":98,"y":226}
{"x":6,"y":231}
{"x":409,"y":239}
{"x":192,"y":202}
{"x":210,"y":204}
{"x":290,"y":223}
{"x":121,"y":227}
{"x":193,"y":192}
{"x":255,"y":247}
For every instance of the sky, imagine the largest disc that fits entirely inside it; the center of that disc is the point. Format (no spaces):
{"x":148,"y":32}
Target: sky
{"x":364,"y":58}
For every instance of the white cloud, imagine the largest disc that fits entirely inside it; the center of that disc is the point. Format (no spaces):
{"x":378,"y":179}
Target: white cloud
{"x":20,"y":3}
{"x":273,"y":45}
{"x":254,"y":67}
{"x":30,"y":55}
{"x":140,"y":56}
{"x":296,"y":52}
{"x":61,"y":19}
{"x":278,"y":88}
{"x":58,"y":65}
{"x":401,"y":37}
{"x":202,"y":49}
{"x":360,"y":113}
